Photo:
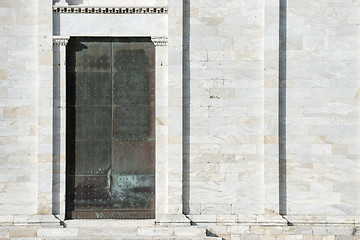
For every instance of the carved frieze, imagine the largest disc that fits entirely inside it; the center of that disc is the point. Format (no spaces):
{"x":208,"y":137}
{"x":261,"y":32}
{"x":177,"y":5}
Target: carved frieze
{"x":110,"y":10}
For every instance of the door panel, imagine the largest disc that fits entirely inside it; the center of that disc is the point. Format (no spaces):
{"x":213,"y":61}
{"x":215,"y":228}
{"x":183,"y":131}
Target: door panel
{"x":133,"y":123}
{"x":93,"y":88}
{"x":110,"y":128}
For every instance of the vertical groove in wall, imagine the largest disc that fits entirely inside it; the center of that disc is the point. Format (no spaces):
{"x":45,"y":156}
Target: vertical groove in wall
{"x":56,"y":190}
{"x":282,"y":108}
{"x":186,"y":107}
{"x":56,"y":199}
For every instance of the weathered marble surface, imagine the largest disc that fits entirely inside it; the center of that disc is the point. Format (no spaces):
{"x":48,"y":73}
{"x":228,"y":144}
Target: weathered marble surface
{"x":112,"y":25}
{"x":226,"y":107}
{"x":19,"y":134}
{"x":322,"y":137}
{"x":217,"y":111}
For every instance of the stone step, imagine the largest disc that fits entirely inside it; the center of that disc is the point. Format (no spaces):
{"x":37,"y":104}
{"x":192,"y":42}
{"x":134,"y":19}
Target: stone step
{"x":109,"y":238}
{"x":237,"y":237}
{"x":20,"y":238}
{"x":130,"y":232}
{"x":132,"y":238}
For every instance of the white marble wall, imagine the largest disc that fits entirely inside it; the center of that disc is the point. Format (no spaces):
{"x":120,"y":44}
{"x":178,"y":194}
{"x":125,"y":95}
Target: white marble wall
{"x":322,"y":107}
{"x":226,"y":107}
{"x":174,"y":111}
{"x":271,"y":107}
{"x":230,"y":96}
{"x":112,"y":25}
{"x":19,"y":128}
{"x":45,"y":109}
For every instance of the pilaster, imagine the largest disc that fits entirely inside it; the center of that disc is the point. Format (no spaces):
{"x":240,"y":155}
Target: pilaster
{"x":175,"y":103}
{"x":271,"y":108}
{"x":162,"y":122}
{"x":59,"y":124}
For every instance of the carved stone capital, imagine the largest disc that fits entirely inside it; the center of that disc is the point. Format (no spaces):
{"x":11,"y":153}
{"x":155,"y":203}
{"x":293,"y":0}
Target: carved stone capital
{"x":159,"y":41}
{"x":61,"y":3}
{"x":60,"y":41}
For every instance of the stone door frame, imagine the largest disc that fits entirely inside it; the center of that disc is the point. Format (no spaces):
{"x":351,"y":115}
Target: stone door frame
{"x":161,"y":92}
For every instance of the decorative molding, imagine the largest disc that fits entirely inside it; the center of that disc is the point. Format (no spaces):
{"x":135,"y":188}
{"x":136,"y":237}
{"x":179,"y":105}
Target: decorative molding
{"x":110,"y":10}
{"x":60,"y":41}
{"x":159,"y":41}
{"x":61,"y":3}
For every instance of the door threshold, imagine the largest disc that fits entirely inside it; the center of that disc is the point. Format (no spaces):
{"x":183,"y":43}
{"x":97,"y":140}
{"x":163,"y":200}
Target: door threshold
{"x":108,"y":223}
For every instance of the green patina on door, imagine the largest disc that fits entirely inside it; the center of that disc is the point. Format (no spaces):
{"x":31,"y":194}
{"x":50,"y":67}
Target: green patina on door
{"x":110,"y":128}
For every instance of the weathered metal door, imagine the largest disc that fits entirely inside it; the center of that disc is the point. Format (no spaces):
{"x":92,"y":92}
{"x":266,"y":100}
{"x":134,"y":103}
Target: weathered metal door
{"x":110,"y":128}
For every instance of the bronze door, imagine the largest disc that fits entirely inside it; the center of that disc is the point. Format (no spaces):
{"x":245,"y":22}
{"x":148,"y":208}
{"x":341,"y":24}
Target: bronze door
{"x":110,"y":128}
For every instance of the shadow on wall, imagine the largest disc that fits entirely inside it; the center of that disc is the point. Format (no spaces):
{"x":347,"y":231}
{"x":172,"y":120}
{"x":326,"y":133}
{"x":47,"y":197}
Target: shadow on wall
{"x":56,"y":135}
{"x":282,"y":108}
{"x":186,"y":107}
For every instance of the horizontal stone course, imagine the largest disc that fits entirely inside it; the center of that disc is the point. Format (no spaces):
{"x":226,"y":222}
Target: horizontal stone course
{"x":107,"y":231}
{"x":57,"y":232}
{"x":226,"y":230}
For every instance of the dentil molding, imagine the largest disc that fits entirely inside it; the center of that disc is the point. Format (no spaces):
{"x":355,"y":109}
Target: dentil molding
{"x":109,"y":10}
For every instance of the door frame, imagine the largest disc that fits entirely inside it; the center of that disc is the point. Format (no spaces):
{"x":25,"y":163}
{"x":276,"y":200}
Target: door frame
{"x":161,"y":124}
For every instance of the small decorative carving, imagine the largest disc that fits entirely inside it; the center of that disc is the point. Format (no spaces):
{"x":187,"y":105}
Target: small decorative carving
{"x":159,"y":41}
{"x":61,"y":3}
{"x":60,"y":41}
{"x":110,"y":10}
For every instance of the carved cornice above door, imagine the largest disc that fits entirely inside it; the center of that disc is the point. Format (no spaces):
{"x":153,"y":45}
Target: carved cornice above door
{"x":159,"y":41}
{"x":110,"y":10}
{"x":60,"y":41}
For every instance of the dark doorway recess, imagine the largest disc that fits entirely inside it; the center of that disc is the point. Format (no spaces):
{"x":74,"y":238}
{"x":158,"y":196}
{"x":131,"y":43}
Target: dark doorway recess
{"x":110,"y":128}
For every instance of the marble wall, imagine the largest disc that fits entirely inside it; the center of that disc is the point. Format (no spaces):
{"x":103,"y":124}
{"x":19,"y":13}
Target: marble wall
{"x":225,"y":101}
{"x":258,"y":105}
{"x":19,"y":134}
{"x":322,"y":107}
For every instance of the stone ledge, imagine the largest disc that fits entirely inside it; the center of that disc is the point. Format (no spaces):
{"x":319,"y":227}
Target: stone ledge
{"x":267,"y":220}
{"x":126,"y":232}
{"x":272,"y":220}
{"x":36,"y":220}
{"x":28,"y":220}
{"x":172,"y":220}
{"x":107,"y":223}
{"x":6,"y":220}
{"x":322,"y":219}
{"x":276,"y":220}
